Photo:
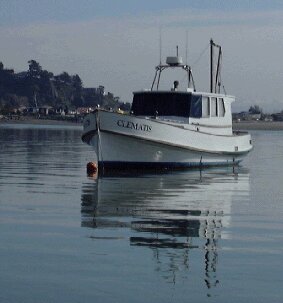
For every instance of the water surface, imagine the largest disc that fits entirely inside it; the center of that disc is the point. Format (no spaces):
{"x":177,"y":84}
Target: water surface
{"x":213,"y":235}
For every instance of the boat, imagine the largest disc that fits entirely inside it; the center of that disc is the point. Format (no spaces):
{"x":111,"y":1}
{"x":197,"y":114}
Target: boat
{"x":169,"y":129}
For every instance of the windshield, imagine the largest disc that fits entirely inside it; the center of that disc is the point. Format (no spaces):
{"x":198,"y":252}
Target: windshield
{"x":162,"y":104}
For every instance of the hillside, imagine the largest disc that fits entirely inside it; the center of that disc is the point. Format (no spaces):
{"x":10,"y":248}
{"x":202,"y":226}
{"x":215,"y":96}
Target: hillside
{"x":37,"y":87}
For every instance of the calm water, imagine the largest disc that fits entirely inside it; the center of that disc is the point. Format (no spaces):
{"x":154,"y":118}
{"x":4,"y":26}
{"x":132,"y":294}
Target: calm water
{"x":210,"y":236}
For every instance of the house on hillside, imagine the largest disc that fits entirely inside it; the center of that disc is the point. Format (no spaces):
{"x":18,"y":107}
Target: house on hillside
{"x":45,"y":110}
{"x":30,"y":110}
{"x":84,"y":110}
{"x":246,"y":116}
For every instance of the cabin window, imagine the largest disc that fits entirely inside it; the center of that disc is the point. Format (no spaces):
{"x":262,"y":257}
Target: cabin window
{"x":196,"y":106}
{"x":161,"y":104}
{"x":205,"y":107}
{"x":213,"y":106}
{"x":221,"y":107}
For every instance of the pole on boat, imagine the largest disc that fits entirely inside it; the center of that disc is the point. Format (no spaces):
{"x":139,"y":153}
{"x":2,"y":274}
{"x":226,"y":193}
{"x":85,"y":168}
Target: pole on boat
{"x":211,"y":65}
{"x":215,"y":78}
{"x":160,"y":45}
{"x":186,"y":47}
{"x":218,"y":71}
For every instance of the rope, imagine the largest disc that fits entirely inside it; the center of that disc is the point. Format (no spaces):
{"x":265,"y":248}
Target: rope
{"x":200,"y":56}
{"x":197,"y":60}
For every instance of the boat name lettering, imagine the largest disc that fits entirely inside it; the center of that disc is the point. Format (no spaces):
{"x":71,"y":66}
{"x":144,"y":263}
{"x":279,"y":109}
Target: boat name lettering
{"x":132,"y":125}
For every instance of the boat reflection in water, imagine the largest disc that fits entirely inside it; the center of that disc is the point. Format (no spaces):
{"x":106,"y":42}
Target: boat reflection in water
{"x":171,"y":214}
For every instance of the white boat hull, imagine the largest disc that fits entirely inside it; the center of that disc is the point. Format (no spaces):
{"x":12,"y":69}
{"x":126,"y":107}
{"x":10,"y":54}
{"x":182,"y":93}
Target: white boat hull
{"x":123,"y":141}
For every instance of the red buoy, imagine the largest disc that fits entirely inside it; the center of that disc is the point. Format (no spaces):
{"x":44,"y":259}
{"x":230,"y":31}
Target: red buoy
{"x":91,"y":168}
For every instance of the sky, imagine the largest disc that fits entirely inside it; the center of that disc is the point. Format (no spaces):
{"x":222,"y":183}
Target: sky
{"x":115,"y":43}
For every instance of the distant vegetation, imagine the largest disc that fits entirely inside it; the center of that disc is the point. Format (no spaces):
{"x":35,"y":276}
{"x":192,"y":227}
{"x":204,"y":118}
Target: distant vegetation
{"x":37,"y":87}
{"x":255,"y":110}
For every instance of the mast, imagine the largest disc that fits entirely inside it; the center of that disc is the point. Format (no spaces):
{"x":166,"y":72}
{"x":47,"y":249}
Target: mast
{"x":215,"y":77}
{"x":211,"y":65}
{"x":160,"y":46}
{"x":218,"y":70}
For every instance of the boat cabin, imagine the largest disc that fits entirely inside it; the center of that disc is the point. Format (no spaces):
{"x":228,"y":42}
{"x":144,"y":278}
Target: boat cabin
{"x":206,"y":111}
{"x":179,"y":104}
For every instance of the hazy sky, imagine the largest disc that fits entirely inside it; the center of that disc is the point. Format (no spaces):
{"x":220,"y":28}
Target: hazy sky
{"x":115,"y":43}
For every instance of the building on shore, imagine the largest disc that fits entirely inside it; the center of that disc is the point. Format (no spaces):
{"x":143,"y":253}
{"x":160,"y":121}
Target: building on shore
{"x":246,"y":116}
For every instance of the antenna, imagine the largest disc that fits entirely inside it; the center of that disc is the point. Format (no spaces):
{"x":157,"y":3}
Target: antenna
{"x":160,"y":45}
{"x":186,"y":47}
{"x":177,"y":48}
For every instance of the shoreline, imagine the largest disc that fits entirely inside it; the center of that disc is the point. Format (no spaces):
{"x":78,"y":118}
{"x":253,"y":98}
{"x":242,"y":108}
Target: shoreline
{"x":258,"y":125}
{"x":243,"y":125}
{"x":34,"y":121}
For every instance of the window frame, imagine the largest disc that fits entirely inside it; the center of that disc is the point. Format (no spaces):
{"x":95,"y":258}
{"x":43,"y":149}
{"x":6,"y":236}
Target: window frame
{"x":221,"y":101}
{"x":213,"y":109}
{"x":207,"y":115}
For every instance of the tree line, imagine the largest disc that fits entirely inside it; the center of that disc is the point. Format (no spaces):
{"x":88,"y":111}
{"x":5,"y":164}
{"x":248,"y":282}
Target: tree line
{"x":38,"y":87}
